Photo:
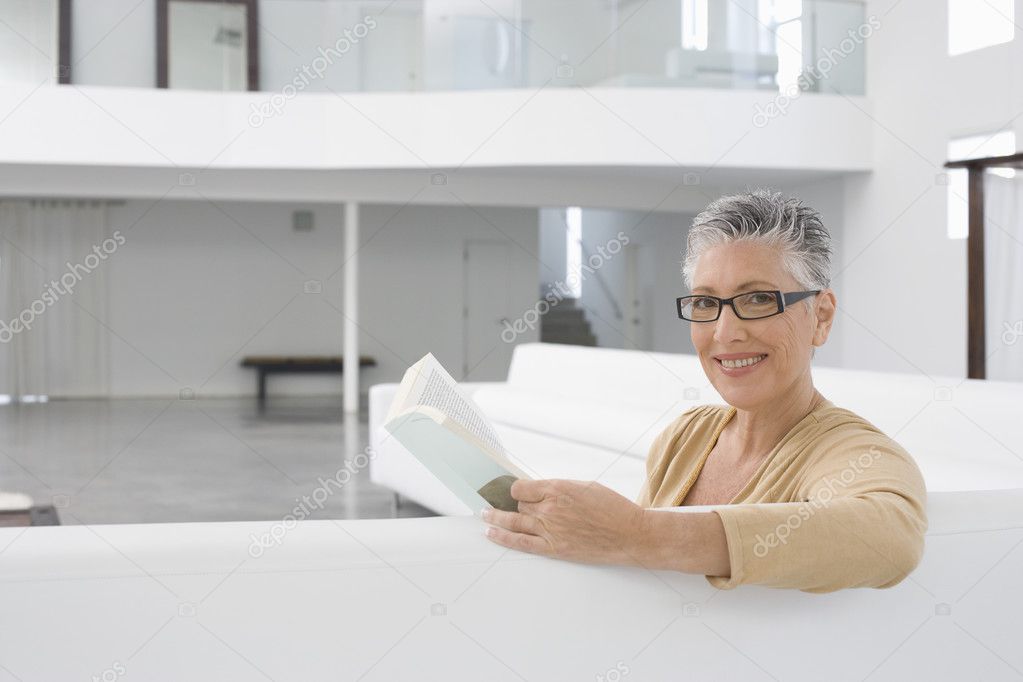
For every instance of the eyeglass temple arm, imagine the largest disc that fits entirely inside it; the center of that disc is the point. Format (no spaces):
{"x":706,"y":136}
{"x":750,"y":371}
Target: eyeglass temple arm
{"x":798,"y":296}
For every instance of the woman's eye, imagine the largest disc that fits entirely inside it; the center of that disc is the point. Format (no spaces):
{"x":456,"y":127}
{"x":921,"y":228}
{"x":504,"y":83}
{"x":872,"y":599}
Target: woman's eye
{"x":704,"y":303}
{"x":760,"y":299}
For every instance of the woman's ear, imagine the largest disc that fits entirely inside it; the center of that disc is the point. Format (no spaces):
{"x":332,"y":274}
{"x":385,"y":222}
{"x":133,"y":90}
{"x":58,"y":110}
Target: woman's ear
{"x":825,"y":311}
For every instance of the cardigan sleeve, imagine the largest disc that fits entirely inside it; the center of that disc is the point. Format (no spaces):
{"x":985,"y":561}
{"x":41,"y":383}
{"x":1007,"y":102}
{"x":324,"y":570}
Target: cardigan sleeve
{"x":859,"y":521}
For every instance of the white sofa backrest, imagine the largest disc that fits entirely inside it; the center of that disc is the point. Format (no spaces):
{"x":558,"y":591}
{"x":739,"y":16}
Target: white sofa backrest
{"x":614,"y":399}
{"x":621,"y":399}
{"x":645,"y":380}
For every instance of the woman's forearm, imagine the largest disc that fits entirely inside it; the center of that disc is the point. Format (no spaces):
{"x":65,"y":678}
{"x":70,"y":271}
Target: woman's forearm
{"x":687,"y":542}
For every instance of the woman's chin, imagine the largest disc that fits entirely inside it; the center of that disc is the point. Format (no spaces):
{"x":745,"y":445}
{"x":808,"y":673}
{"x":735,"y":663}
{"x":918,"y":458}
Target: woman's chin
{"x":744,"y":389}
{"x":742,"y":397}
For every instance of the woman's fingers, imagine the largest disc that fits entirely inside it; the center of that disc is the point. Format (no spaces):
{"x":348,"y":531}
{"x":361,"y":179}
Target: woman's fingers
{"x":575,"y":520}
{"x":525,"y":490}
{"x":520,"y":541}
{"x":513,"y":521}
{"x":516,"y":531}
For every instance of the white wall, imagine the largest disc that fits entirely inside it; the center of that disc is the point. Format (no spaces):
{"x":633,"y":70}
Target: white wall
{"x":903,"y":281}
{"x":662,"y":238}
{"x":196,"y":286}
{"x":199,"y":284}
{"x":553,"y":247}
{"x":658,"y":239}
{"x":680,"y":130}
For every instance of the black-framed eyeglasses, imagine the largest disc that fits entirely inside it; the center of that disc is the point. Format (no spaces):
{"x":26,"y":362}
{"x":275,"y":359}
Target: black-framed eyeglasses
{"x":753,"y":305}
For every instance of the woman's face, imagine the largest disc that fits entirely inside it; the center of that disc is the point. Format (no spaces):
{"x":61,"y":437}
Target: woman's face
{"x":784,"y":341}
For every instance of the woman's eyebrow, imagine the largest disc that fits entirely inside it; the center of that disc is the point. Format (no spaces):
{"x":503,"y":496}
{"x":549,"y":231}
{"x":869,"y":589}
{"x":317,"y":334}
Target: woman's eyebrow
{"x":742,"y":286}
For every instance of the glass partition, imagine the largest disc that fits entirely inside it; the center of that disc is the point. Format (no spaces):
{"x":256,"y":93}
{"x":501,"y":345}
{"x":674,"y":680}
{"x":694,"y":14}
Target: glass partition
{"x":29,"y":41}
{"x":416,"y":45}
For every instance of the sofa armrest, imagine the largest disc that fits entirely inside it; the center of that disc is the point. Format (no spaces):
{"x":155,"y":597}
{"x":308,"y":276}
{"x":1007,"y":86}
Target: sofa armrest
{"x":380,"y":398}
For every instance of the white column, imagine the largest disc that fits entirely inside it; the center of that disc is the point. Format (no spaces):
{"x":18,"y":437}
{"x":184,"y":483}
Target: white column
{"x":350,"y":339}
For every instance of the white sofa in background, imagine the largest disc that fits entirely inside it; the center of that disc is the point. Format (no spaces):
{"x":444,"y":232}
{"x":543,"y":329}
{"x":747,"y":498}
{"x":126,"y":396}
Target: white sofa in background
{"x":432,"y":599}
{"x":592,"y":413}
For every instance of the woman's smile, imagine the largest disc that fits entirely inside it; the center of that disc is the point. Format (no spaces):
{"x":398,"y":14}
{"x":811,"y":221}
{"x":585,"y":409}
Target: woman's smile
{"x":739,"y":365}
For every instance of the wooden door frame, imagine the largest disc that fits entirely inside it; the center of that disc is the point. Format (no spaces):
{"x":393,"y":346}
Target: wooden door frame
{"x":251,"y":40}
{"x":976,"y":297}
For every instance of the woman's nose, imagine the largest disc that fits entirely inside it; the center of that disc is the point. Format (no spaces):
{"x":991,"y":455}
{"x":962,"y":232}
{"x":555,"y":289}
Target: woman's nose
{"x":728,"y":326}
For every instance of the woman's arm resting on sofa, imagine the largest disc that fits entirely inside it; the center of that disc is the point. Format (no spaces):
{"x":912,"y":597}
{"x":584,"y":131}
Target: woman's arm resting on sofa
{"x":861,"y":523}
{"x":690,"y":542}
{"x":588,"y":522}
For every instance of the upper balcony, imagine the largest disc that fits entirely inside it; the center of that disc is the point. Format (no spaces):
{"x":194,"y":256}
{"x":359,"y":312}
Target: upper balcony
{"x":418,"y":45}
{"x":432,"y":84}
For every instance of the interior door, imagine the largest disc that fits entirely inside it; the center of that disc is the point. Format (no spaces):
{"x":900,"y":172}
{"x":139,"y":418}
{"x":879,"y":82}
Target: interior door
{"x":486,"y":311}
{"x":639,"y":280}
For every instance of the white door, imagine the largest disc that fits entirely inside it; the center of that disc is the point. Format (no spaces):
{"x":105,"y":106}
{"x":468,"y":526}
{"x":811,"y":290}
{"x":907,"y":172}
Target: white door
{"x":486,"y":310}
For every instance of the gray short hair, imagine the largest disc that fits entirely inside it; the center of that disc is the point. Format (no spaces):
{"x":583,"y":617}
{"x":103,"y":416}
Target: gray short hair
{"x":769,"y":218}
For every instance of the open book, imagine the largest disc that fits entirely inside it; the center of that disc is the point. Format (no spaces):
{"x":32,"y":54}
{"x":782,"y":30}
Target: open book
{"x":446,"y":431}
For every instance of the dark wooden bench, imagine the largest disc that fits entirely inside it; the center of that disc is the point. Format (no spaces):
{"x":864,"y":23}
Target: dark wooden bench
{"x":42,"y":515}
{"x":296,"y":364}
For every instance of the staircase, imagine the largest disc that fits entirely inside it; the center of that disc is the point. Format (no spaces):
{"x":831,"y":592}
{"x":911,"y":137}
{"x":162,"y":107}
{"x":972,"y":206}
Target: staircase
{"x":566,"y":323}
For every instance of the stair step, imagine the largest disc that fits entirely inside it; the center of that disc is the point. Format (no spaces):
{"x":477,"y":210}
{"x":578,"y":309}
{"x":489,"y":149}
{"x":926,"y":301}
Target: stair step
{"x":574,"y":314}
{"x":571,"y":341}
{"x":565,"y":322}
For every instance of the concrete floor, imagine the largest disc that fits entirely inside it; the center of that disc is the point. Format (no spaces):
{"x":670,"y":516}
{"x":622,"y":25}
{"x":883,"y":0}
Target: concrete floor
{"x":162,"y":460}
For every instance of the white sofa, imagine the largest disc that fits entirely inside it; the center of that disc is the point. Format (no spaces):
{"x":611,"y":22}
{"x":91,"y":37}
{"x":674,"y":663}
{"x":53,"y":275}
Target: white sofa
{"x":592,"y":413}
{"x":432,"y":599}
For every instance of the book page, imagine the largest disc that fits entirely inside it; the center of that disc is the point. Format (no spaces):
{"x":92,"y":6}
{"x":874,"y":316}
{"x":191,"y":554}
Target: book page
{"x":432,"y":386}
{"x":456,"y":428}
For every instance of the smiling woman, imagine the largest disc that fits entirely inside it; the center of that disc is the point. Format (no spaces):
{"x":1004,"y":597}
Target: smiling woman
{"x":807,"y":495}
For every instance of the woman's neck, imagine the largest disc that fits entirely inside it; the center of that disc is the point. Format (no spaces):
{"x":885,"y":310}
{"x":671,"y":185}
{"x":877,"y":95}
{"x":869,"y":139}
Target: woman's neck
{"x":754,"y":433}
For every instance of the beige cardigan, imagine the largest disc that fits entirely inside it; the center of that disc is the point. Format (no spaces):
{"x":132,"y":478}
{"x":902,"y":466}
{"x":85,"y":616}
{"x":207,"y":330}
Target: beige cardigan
{"x":847,"y":502}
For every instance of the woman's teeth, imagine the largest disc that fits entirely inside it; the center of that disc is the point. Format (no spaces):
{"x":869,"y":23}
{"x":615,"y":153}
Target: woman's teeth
{"x":746,"y":362}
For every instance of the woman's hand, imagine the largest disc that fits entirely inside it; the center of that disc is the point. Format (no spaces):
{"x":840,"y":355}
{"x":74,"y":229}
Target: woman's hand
{"x":575,"y":520}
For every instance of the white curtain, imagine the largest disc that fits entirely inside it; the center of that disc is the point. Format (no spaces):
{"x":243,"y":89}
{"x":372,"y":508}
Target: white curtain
{"x":1003,"y":281}
{"x":54,"y":298}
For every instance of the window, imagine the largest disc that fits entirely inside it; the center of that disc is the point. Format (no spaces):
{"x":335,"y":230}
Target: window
{"x":694,"y":24}
{"x":975,"y":24}
{"x":785,"y":19}
{"x":574,"y":251}
{"x":975,"y":146}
